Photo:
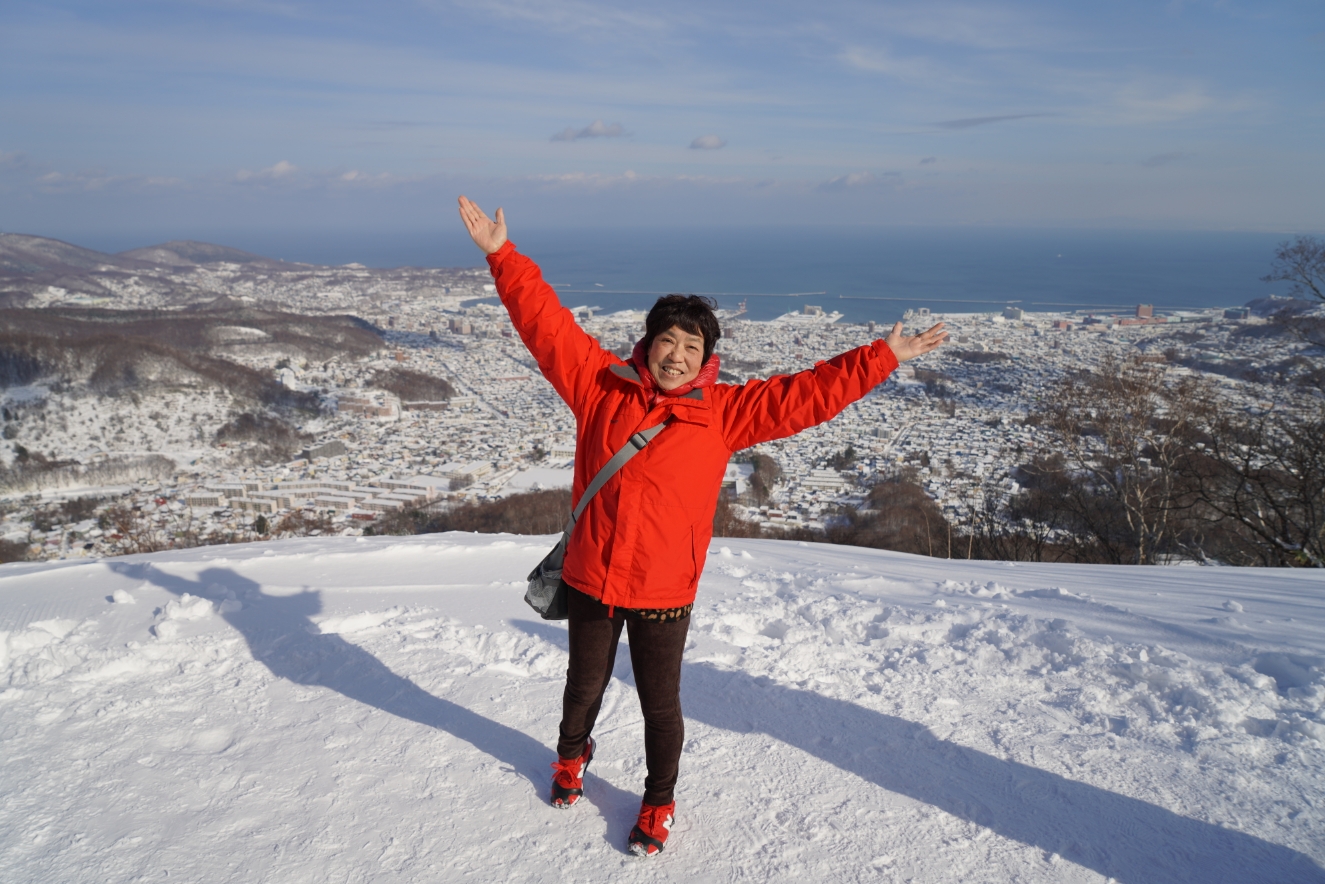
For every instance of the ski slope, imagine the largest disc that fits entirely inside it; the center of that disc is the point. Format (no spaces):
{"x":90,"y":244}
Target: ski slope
{"x":384,"y":709}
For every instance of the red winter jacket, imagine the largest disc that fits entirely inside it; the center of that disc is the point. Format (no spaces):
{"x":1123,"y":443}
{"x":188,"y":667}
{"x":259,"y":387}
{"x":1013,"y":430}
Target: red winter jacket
{"x":642,"y":541}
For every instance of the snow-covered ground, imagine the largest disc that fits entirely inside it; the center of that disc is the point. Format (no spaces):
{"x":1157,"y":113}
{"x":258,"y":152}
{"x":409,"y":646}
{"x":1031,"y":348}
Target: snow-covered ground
{"x":378,"y":709}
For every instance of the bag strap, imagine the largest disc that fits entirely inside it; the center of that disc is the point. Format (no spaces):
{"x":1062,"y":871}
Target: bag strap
{"x":632,"y":447}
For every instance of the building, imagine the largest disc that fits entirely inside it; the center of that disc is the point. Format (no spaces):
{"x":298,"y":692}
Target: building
{"x":1145,"y":311}
{"x":419,"y":487}
{"x":1013,"y":313}
{"x":384,"y":407}
{"x":330,"y":448}
{"x":737,"y":477}
{"x":559,"y":449}
{"x":253,"y":505}
{"x":827,"y":479}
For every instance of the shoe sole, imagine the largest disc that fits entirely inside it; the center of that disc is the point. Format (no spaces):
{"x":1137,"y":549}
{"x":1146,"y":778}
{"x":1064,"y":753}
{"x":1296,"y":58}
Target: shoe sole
{"x":641,"y":846}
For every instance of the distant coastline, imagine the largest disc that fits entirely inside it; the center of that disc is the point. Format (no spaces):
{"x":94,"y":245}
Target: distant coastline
{"x":868,"y":274}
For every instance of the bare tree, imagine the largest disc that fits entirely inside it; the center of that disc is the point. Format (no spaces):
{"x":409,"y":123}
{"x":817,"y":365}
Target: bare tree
{"x":531,"y":512}
{"x":1301,"y":262}
{"x":727,"y":523}
{"x":1261,"y":481}
{"x":1021,"y":529}
{"x":899,"y":516}
{"x":1122,"y":431}
{"x":767,"y":472}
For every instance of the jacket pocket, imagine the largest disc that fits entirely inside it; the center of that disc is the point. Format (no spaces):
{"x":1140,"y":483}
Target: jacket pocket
{"x":664,"y":564}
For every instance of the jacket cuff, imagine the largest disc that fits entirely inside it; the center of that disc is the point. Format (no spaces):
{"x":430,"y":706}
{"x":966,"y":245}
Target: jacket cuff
{"x":497,"y":257}
{"x":886,"y":354}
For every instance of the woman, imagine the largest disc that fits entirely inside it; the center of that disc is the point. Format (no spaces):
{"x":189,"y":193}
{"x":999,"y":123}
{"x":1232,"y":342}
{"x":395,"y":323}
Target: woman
{"x":636,"y":553}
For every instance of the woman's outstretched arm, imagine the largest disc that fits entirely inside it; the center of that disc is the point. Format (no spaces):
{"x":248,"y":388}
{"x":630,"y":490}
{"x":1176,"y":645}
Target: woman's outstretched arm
{"x":760,"y":411}
{"x":566,"y":355}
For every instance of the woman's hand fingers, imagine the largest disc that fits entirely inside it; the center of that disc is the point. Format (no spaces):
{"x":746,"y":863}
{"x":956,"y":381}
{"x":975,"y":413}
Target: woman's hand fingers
{"x":471,"y":214}
{"x":487,"y":234}
{"x":933,"y":338}
{"x":905,"y":348}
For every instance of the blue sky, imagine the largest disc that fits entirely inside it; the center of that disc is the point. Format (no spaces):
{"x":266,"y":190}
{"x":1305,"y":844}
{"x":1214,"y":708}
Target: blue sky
{"x":209,"y":115}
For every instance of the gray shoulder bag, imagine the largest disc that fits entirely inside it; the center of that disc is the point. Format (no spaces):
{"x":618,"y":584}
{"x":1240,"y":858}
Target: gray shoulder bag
{"x":547,"y":593}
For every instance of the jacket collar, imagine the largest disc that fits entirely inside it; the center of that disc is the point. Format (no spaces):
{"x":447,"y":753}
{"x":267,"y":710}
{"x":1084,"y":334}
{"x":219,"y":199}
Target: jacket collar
{"x":707,"y":376}
{"x":627,"y":372}
{"x":692,"y":407}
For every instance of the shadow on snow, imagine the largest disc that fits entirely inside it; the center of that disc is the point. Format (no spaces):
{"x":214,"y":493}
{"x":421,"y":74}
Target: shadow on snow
{"x":1117,"y":836}
{"x":283,"y":637}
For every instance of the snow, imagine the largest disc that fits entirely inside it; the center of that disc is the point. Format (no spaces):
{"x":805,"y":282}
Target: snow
{"x":356,"y":709}
{"x":539,"y":478}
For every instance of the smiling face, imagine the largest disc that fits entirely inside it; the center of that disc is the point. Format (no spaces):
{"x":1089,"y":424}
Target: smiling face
{"x":675,"y":357}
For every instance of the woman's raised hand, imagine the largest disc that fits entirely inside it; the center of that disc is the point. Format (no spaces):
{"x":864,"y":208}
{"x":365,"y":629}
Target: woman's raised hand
{"x":487,"y":234}
{"x":905,"y":348}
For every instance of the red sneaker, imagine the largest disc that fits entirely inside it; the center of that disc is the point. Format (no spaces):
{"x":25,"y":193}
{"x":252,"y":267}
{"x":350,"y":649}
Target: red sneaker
{"x":650,"y":833}
{"x":568,"y":777}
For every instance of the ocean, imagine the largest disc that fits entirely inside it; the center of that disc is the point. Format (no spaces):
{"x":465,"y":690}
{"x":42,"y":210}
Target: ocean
{"x":864,"y":273}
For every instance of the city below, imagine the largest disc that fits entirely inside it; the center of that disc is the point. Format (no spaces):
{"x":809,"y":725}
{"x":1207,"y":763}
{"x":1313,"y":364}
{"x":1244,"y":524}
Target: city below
{"x":956,"y":419}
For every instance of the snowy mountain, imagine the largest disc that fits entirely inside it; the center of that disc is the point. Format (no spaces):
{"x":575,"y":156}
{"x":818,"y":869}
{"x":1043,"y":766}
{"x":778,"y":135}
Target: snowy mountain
{"x":24,"y":254}
{"x":384,"y":709}
{"x":190,"y":253}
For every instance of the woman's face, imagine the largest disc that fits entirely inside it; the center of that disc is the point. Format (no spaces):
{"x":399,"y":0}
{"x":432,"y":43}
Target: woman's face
{"x":675,"y":357}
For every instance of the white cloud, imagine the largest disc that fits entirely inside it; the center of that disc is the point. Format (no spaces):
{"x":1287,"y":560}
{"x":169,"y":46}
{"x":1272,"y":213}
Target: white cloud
{"x":573,"y":16}
{"x":858,"y":180}
{"x":588,"y":179}
{"x":971,"y":122}
{"x":978,"y":25}
{"x":707,"y":142}
{"x":596,"y":129}
{"x":880,"y":61}
{"x":630,"y":178}
{"x":95,"y":180}
{"x":1139,"y":103}
{"x":283,"y":169}
{"x":854,"y":179}
{"x":1099,"y":98}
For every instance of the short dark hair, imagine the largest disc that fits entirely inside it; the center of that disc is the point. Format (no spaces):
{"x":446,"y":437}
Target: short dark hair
{"x":693,"y":313}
